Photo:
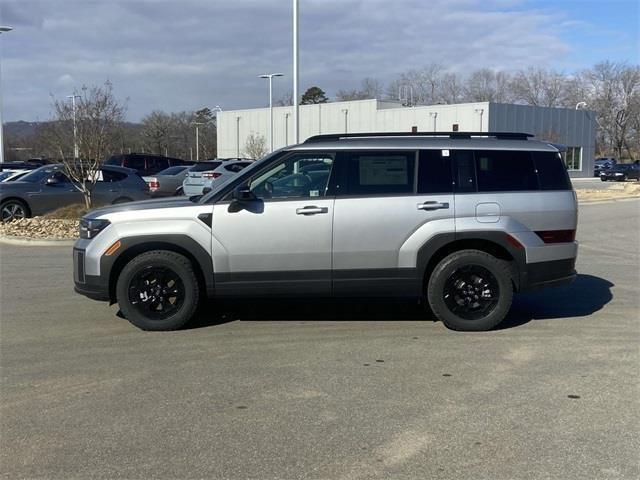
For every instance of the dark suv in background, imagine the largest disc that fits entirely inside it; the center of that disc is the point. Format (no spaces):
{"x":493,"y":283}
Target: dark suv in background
{"x":145,"y":163}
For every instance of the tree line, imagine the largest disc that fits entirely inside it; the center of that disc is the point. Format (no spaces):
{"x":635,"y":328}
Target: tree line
{"x":610,"y":89}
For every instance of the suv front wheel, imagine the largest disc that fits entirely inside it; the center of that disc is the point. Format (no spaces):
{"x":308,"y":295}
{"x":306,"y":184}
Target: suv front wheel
{"x":470,"y":290}
{"x":158,"y":290}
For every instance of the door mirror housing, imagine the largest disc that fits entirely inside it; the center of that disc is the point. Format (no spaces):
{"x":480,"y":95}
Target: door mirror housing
{"x":206,"y":190}
{"x":244,"y":194}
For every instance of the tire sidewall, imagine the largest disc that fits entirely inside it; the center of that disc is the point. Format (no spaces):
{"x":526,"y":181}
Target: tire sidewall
{"x":159,"y":259}
{"x":498,"y":268}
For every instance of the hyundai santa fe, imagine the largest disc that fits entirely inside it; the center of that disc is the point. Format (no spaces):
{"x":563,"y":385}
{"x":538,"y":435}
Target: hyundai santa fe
{"x":461,"y":220}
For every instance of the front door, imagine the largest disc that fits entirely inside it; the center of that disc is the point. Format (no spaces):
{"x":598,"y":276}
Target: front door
{"x":279,"y":243}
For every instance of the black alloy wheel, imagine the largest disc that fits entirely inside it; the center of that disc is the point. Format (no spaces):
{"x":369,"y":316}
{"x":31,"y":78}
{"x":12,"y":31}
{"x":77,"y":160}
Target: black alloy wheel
{"x":471,"y":292}
{"x":156,"y":292}
{"x":12,"y":210}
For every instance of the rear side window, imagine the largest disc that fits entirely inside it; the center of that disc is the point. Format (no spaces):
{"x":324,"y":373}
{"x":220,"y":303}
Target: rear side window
{"x":378,"y":173}
{"x":111,"y":176}
{"x":137,"y":163}
{"x":552,"y":174}
{"x":434,"y":172}
{"x":505,"y":170}
{"x":205,"y":166}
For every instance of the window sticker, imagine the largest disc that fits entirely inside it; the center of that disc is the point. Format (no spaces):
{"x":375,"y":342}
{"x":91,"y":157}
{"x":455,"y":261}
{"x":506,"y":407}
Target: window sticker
{"x":445,"y":153}
{"x":383,"y":171}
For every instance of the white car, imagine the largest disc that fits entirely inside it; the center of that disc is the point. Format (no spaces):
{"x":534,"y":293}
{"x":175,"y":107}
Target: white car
{"x":202,"y":174}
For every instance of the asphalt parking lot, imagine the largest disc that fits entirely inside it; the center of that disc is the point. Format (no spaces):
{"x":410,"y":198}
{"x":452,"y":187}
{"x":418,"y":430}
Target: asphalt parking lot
{"x":338,"y":391}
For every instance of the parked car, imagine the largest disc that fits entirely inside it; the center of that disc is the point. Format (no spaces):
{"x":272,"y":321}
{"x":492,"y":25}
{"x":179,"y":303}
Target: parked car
{"x":198,"y":175}
{"x":9,"y":175}
{"x":223,"y":172}
{"x":168,"y":182}
{"x":145,"y":164}
{"x":603,"y":163}
{"x":48,"y":188}
{"x":621,"y":172}
{"x":12,"y":166}
{"x":460,"y":220}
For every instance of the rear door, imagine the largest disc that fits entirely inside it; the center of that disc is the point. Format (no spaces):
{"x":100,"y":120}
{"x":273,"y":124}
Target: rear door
{"x":387,"y":204}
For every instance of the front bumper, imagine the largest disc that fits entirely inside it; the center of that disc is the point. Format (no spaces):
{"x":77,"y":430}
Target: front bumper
{"x":91,"y":286}
{"x":547,"y":274}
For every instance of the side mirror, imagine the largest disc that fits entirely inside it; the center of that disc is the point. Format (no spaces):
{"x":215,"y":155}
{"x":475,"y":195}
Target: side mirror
{"x":52,"y":181}
{"x":244,"y":194}
{"x":206,"y":190}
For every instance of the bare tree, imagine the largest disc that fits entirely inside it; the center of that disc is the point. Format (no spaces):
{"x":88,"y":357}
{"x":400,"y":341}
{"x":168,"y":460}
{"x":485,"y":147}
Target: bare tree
{"x":486,"y":85}
{"x":370,"y":88}
{"x":98,"y":118}
{"x":538,"y":86}
{"x":255,"y":146}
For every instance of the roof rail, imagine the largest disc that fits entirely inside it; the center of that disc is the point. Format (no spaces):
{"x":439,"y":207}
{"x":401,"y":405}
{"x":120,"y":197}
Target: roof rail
{"x":452,"y":135}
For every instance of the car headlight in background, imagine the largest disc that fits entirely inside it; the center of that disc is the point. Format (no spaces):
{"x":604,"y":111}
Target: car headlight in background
{"x":89,"y":228}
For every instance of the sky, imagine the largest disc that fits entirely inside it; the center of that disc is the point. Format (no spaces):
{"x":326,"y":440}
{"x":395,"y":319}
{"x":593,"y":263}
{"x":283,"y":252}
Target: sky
{"x":187,"y":54}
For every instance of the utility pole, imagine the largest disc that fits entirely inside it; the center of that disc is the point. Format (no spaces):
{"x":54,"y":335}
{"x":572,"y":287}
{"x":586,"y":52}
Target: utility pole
{"x":296,"y":107}
{"x":75,"y":128}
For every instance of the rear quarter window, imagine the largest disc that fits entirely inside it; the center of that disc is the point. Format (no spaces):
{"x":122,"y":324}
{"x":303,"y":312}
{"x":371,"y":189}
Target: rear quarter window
{"x":505,"y":171}
{"x":552,"y":173}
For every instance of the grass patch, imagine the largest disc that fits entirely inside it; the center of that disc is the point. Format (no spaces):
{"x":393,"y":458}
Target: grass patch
{"x":70,"y":212}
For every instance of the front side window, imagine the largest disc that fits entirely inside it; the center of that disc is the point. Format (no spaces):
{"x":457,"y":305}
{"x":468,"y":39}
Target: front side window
{"x":297,"y":176}
{"x":379,"y":173}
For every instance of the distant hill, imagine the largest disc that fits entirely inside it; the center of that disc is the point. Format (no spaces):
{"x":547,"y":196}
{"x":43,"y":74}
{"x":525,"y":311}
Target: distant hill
{"x":20,"y":129}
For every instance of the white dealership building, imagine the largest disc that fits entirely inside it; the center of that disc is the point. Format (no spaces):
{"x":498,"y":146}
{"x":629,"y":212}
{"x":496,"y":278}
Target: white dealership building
{"x":573,"y":128}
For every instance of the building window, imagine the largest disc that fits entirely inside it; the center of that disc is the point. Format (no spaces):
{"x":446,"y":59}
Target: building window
{"x":573,"y":158}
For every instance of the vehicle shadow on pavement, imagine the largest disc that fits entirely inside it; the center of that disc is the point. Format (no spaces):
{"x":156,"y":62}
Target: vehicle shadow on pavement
{"x":586,"y":295}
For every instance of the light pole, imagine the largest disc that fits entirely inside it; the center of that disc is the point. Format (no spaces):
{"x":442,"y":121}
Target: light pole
{"x":580,"y":105}
{"x":286,"y":129}
{"x":346,"y":121}
{"x":270,"y":77}
{"x":296,"y":107}
{"x":480,"y":111}
{"x":435,"y":116}
{"x":3,"y":29}
{"x":197,"y":124}
{"x":75,"y":128}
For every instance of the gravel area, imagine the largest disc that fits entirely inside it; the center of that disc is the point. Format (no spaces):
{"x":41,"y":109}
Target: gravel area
{"x":612,"y":191}
{"x":40,"y":227}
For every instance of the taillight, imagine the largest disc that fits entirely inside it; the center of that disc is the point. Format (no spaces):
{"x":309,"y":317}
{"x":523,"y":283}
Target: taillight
{"x":154,"y":184}
{"x":557,"y":236}
{"x":211,"y":175}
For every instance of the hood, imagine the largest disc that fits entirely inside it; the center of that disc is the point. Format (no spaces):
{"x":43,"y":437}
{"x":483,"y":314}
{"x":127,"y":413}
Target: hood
{"x":142,"y":205}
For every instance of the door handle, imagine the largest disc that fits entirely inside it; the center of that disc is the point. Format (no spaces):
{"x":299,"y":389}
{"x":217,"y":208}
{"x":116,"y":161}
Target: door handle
{"x":312,"y":210}
{"x":433,"y":205}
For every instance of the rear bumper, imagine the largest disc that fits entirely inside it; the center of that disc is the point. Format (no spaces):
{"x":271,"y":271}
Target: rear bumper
{"x":547,"y":274}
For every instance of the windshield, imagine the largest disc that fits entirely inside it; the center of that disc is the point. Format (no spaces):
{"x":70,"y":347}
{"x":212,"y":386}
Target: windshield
{"x":216,"y":187}
{"x":38,"y":174}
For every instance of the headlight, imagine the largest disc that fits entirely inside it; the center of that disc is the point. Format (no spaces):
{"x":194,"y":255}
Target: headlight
{"x":90,"y":228}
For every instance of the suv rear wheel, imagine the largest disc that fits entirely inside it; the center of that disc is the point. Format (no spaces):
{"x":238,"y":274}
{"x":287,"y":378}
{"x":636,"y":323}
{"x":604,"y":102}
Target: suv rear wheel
{"x":158,"y":290}
{"x":470,"y":290}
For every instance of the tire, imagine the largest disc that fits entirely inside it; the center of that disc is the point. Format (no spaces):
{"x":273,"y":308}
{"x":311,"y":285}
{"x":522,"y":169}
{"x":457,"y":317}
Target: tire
{"x":603,"y":179}
{"x":623,"y":178}
{"x":12,"y":210}
{"x":179,"y":192}
{"x":455,"y":277}
{"x":144,"y":276}
{"x":121,"y":200}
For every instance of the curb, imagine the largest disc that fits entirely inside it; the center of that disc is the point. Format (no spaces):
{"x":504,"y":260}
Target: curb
{"x":36,"y":242}
{"x":608,"y":200}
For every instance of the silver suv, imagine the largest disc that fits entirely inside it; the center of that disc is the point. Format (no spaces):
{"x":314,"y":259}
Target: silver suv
{"x":463,"y":220}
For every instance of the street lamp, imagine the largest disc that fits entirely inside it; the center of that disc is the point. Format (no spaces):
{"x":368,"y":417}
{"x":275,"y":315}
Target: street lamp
{"x":580,"y":105}
{"x":197,"y":124}
{"x":3,"y":29}
{"x":346,"y":121}
{"x":75,"y":129}
{"x":435,"y":116}
{"x":296,"y":106}
{"x":270,"y":77}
